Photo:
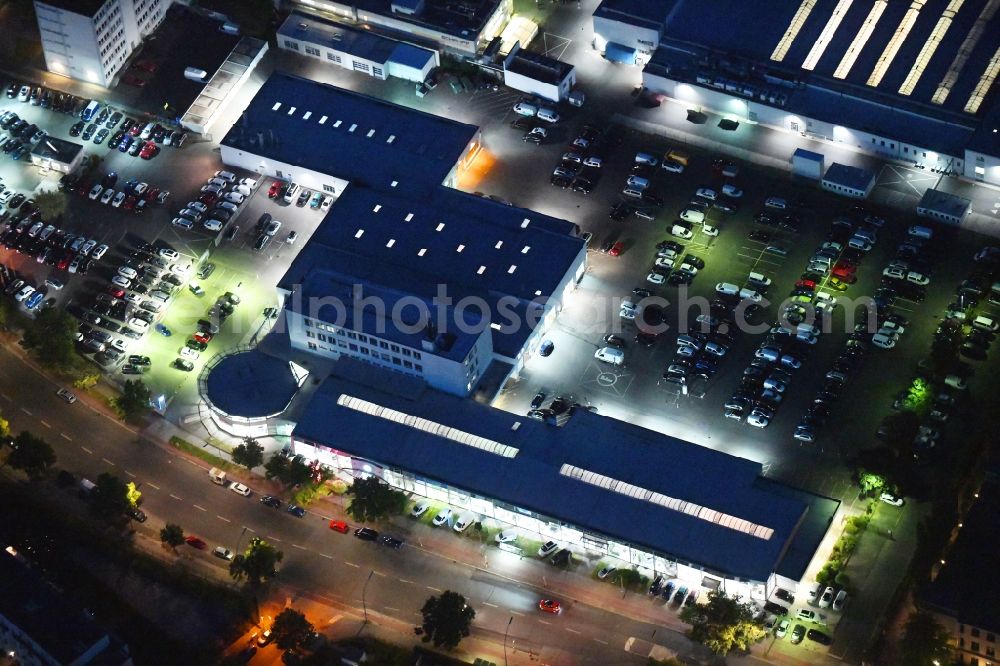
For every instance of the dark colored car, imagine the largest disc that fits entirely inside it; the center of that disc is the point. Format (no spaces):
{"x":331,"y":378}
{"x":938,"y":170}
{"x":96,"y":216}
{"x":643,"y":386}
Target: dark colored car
{"x":366,"y":534}
{"x":270,"y":501}
{"x":391,"y":542}
{"x":817,"y":636}
{"x":798,"y":633}
{"x":296,"y":510}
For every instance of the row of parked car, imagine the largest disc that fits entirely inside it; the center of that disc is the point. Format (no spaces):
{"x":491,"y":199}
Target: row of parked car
{"x":580,"y":166}
{"x":50,"y":245}
{"x":47,"y":99}
{"x":21,"y":135}
{"x":224,"y":204}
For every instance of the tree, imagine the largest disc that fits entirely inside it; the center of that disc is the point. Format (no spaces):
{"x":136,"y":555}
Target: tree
{"x":51,"y":336}
{"x":51,"y":204}
{"x":447,"y":619}
{"x":4,"y":428}
{"x":32,"y":455}
{"x":374,"y":499}
{"x":723,"y":624}
{"x":132,"y":494}
{"x":276,"y":468}
{"x":925,"y":642}
{"x":134,"y":400}
{"x":257,"y":564}
{"x":290,"y":629}
{"x":250,"y":453}
{"x":870,"y":483}
{"x":918,"y":396}
{"x":110,"y":497}
{"x":172,"y":535}
{"x":87,"y":381}
{"x":290,"y":472}
{"x":899,"y":431}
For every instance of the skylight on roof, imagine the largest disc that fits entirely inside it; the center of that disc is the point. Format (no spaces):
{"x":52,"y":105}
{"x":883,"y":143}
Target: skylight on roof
{"x":860,"y":39}
{"x":459,"y":248}
{"x":409,"y":216}
{"x":819,"y":46}
{"x":291,"y":110}
{"x":538,"y":292}
{"x":392,"y":241}
{"x":428,"y":426}
{"x":930,"y":46}
{"x":377,"y":208}
{"x":792,"y":31}
{"x":322,"y":120}
{"x":392,"y":137}
{"x":681,"y":506}
{"x":985,"y":83}
{"x":394,"y":183}
{"x":307,"y":115}
{"x":422,"y":252}
{"x":439,"y":227}
{"x":360,"y":233}
{"x":337,"y":124}
{"x":371,"y":133}
{"x":525,"y":249}
{"x":525,"y":223}
{"x":353,"y":127}
{"x":892,"y":48}
{"x":495,"y":326}
{"x":513,"y":267}
{"x":498,"y":245}
{"x":277,"y":105}
{"x":482,"y":269}
{"x":971,"y":39}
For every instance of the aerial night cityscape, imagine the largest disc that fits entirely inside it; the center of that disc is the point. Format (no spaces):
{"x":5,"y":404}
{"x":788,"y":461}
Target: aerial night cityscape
{"x":482,"y":332}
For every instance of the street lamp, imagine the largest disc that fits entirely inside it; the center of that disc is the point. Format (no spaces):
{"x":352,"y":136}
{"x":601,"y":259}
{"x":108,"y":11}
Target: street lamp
{"x":505,"y":640}
{"x":364,"y":591}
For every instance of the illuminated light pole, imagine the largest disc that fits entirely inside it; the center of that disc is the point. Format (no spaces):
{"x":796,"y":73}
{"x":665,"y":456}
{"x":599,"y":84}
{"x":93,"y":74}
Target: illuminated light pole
{"x":506,"y":631}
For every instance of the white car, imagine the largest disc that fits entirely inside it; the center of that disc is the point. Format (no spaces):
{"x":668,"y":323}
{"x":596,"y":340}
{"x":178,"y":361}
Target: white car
{"x":128,"y":272}
{"x":419,"y":509}
{"x":884,"y":340}
{"x":666,"y":262}
{"x":133,"y":298}
{"x":891,"y":499}
{"x":894,"y":272}
{"x":506,"y":536}
{"x":731,"y":190}
{"x":198,"y":206}
{"x":248,"y":182}
{"x":118,"y":200}
{"x":238,"y":488}
{"x":782,"y":629}
{"x":87,"y":247}
{"x":673,"y":167}
{"x":137,"y":324}
{"x":99,"y":252}
{"x":212,"y":225}
{"x":189,"y":353}
{"x":140,"y":188}
{"x":107,"y":196}
{"x":121,"y":281}
{"x":917,"y":278}
{"x":626,"y":314}
{"x":707,"y":193}
{"x":656,"y":278}
{"x":827,"y":598}
{"x":840,"y":600}
{"x":226,"y":175}
{"x":23,"y":295}
{"x":190,"y":213}
{"x":182,"y":222}
{"x":548,"y":548}
{"x":327,"y":202}
{"x":759,"y":419}
{"x":180,"y":269}
{"x":234,"y":197}
{"x":168,"y":253}
{"x":463,"y":522}
{"x":443,"y":516}
{"x":95,"y":192}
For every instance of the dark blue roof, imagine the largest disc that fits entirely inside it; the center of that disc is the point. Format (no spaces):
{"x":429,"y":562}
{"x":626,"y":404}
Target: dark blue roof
{"x":410,"y":55}
{"x":459,"y":234}
{"x":464,"y":19}
{"x":250,"y":384}
{"x":351,"y":136}
{"x":531,"y":479}
{"x":967,"y":587}
{"x":338,"y":37}
{"x":650,"y":13}
{"x":849,"y":176}
{"x":615,"y":52}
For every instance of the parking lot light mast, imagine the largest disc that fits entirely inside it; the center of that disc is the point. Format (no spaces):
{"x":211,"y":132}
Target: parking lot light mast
{"x":506,"y":631}
{"x":364,"y":591}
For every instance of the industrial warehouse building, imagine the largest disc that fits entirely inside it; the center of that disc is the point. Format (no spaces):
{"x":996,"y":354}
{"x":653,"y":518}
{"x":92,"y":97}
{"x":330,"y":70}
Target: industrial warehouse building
{"x":594,"y":484}
{"x":398,"y":234}
{"x":897,"y":80}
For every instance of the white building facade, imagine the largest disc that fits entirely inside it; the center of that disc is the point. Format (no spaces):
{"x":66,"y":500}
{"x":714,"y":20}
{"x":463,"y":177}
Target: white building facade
{"x":91,"y":40}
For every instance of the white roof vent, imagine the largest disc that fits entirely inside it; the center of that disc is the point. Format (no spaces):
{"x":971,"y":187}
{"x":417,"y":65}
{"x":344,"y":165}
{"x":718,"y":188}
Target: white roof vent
{"x":525,"y":223}
{"x":392,"y":137}
{"x":353,"y":127}
{"x":513,"y":267}
{"x":422,"y":252}
{"x":337,"y":124}
{"x":498,"y":245}
{"x":307,"y":115}
{"x":394,"y":183}
{"x":439,"y":227}
{"x":322,"y":120}
{"x":291,"y":110}
{"x":361,"y":232}
{"x":515,"y":425}
{"x":392,"y":241}
{"x":377,"y":208}
{"x":409,"y":216}
{"x":459,"y":248}
{"x":277,"y":105}
{"x":482,"y":269}
{"x":371,"y":133}
{"x":525,"y":249}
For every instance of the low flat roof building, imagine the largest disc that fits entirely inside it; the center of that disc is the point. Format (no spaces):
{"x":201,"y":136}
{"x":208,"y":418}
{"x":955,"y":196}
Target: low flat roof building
{"x":848,"y":181}
{"x":944,"y":207}
{"x":538,"y":74}
{"x":600,"y":483}
{"x":57,"y":154}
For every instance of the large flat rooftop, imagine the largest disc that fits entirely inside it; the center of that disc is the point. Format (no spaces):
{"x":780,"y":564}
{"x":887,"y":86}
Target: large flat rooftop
{"x":653,"y":491}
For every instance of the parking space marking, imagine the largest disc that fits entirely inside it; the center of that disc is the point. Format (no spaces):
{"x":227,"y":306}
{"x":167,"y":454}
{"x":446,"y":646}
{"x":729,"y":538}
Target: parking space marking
{"x":172,"y":496}
{"x":87,"y":450}
{"x":403,"y":580}
{"x":544,"y":621}
{"x":66,"y":437}
{"x":130,"y":474}
{"x":571,"y":630}
{"x":44,"y":423}
{"x":108,"y":461}
{"x":486,"y":603}
{"x":295,"y":545}
{"x":200,"y":508}
{"x":435,"y":589}
{"x":26,"y":411}
{"x":268,"y":536}
{"x":329,"y":557}
{"x":391,"y":608}
{"x":352,"y":564}
{"x":6,"y":397}
{"x":600,"y":641}
{"x":153,"y":486}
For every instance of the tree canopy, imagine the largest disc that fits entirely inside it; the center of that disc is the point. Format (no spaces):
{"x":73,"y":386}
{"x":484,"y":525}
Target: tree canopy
{"x":110,"y":498}
{"x":172,"y":535}
{"x":373,"y":499}
{"x":290,"y":629}
{"x":289,"y":471}
{"x":51,"y":204}
{"x":32,"y":455}
{"x":723,"y":623}
{"x":134,"y":400}
{"x":257,"y":564}
{"x":925,"y":642}
{"x":447,"y":619}
{"x":250,"y":453}
{"x":51,"y":335}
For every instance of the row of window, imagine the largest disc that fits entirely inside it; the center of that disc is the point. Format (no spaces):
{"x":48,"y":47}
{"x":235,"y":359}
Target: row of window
{"x":364,"y":351}
{"x":358,"y":65}
{"x":975,"y":633}
{"x":974,"y":647}
{"x":361,"y":337}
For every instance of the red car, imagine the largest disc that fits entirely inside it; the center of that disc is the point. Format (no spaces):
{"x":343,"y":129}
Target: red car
{"x":203,"y":337}
{"x":844,"y":272}
{"x":149,"y":151}
{"x":136,"y":129}
{"x":146,"y":65}
{"x":274,"y":190}
{"x":807,"y":284}
{"x":64,"y":261}
{"x":550,"y":606}
{"x":196,"y":542}
{"x":116,"y":291}
{"x":339,"y":526}
{"x":151,"y":194}
{"x":209,"y":198}
{"x":130,"y":202}
{"x":616,"y":249}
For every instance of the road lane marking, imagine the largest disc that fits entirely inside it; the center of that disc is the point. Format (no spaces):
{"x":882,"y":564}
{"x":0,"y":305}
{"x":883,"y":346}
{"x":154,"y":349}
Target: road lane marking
{"x":403,"y":580}
{"x":177,"y":498}
{"x":544,"y":621}
{"x":153,"y":485}
{"x":352,"y":564}
{"x":571,"y":630}
{"x":197,"y":507}
{"x":66,"y":437}
{"x":601,"y":642}
{"x":295,"y":545}
{"x":516,"y":612}
{"x":272,"y":538}
{"x":251,"y":530}
{"x":87,"y":450}
{"x":436,"y":589}
{"x":44,"y":423}
{"x":329,"y":557}
{"x":108,"y":461}
{"x":390,"y":608}
{"x":26,"y":411}
{"x":221,"y":518}
{"x":379,"y":573}
{"x":486,"y":603}
{"x":130,"y":474}
{"x":6,"y":397}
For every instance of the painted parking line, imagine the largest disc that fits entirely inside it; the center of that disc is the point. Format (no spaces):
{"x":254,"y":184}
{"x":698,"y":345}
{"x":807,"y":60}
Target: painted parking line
{"x":352,"y":564}
{"x":200,"y":508}
{"x":223,"y":518}
{"x":486,"y":603}
{"x":87,"y":450}
{"x":44,"y":423}
{"x":574,"y":631}
{"x":435,"y":589}
{"x":130,"y":474}
{"x":108,"y":461}
{"x":295,"y":545}
{"x":26,"y":411}
{"x":172,"y":496}
{"x":153,"y":485}
{"x":6,"y":397}
{"x":600,"y":641}
{"x":392,"y":608}
{"x":403,"y":580}
{"x":272,"y":538}
{"x":379,"y":573}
